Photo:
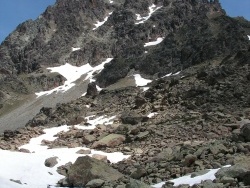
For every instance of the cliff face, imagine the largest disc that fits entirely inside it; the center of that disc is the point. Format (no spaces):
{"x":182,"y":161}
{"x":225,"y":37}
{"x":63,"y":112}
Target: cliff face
{"x":193,"y":32}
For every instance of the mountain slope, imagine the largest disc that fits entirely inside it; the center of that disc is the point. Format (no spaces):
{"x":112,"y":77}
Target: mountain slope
{"x":89,"y":31}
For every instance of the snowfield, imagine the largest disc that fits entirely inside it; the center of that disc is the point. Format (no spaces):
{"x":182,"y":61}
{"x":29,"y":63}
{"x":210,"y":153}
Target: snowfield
{"x":98,"y":24}
{"x":152,"y":9}
{"x":29,"y":168}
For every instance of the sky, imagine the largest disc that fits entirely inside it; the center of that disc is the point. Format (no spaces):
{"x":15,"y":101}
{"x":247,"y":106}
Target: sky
{"x":14,"y":12}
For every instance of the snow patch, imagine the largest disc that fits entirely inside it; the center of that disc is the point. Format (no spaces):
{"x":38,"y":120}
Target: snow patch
{"x":98,"y":24}
{"x":248,"y":37}
{"x":110,"y":1}
{"x":152,"y":114}
{"x":171,"y":74}
{"x":152,"y":9}
{"x":192,"y":181}
{"x":158,"y":41}
{"x":75,"y":49}
{"x":72,"y":73}
{"x":29,"y":168}
{"x":139,"y":81}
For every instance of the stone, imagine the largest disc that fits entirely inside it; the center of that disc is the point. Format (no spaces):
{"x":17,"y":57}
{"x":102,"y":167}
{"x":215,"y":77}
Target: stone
{"x":92,"y":90}
{"x":245,"y":132}
{"x":16,"y":181}
{"x":218,"y":148}
{"x":240,"y":170}
{"x":133,"y":118}
{"x":84,"y":151}
{"x":86,"y":169}
{"x":24,"y":150}
{"x":51,"y":162}
{"x":100,"y":157}
{"x":138,"y":173}
{"x":189,"y":160}
{"x":8,"y":134}
{"x":87,"y":139}
{"x":95,"y":183}
{"x":226,"y":180}
{"x":63,"y":170}
{"x":111,"y":140}
{"x":142,"y":135}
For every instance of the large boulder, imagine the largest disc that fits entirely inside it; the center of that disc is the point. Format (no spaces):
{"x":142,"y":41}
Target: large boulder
{"x":111,"y":140}
{"x":86,"y":169}
{"x":92,"y":90}
{"x":241,"y":170}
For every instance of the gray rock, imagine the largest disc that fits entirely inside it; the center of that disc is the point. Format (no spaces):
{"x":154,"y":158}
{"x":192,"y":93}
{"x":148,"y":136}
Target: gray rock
{"x":218,"y":148}
{"x":51,"y":162}
{"x":138,"y":173}
{"x":84,"y":151}
{"x":189,"y":160}
{"x":92,"y":90}
{"x":133,"y":118}
{"x":95,"y":183}
{"x":245,"y":132}
{"x":86,"y":169}
{"x":111,"y":140}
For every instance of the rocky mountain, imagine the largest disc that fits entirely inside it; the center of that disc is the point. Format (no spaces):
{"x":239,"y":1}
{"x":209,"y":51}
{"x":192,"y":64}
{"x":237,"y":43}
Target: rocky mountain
{"x":193,"y":115}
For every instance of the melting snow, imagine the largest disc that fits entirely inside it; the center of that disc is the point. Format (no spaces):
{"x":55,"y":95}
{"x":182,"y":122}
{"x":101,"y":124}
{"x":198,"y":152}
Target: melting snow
{"x":98,"y":24}
{"x":171,"y":74}
{"x":152,"y":9}
{"x":139,"y":81}
{"x":75,"y":49}
{"x":158,"y":41}
{"x":72,"y":73}
{"x":152,"y":114}
{"x":29,"y":168}
{"x":191,"y":181}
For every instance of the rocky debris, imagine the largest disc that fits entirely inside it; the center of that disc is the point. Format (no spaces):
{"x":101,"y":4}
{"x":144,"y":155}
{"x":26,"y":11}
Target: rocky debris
{"x":51,"y":162}
{"x":198,"y":111}
{"x":86,"y":169}
{"x":12,"y":140}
